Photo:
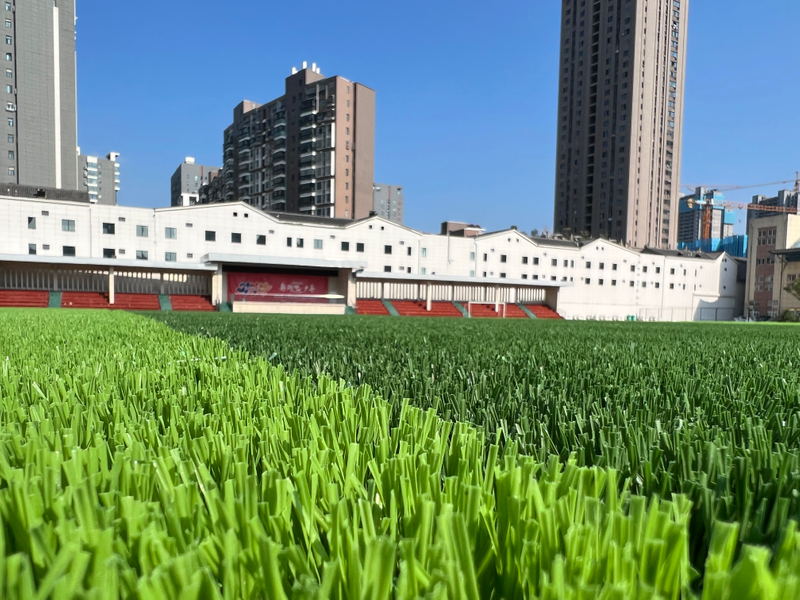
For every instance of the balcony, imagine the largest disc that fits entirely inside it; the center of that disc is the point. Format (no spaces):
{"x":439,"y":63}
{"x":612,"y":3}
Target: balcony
{"x":279,"y":145}
{"x":279,"y":169}
{"x":306,"y":176}
{"x":308,"y":107}
{"x":308,"y":163}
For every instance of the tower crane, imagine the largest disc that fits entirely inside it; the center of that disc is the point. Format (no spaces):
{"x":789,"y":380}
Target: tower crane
{"x":708,"y":206}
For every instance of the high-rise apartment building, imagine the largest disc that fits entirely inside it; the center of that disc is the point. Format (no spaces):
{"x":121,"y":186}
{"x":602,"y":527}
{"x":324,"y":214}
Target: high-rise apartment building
{"x":620,"y":115}
{"x":387,"y":202}
{"x":310,"y":151}
{"x":100,"y":177}
{"x":702,"y":217}
{"x":187,"y":181}
{"x":40,"y":104}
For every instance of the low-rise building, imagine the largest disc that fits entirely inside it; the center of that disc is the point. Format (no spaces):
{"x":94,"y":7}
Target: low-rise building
{"x":581,"y":280}
{"x":772,"y":265}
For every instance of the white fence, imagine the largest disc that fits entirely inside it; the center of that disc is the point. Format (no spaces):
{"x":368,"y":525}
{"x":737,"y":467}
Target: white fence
{"x":96,"y":280}
{"x":487,"y":294}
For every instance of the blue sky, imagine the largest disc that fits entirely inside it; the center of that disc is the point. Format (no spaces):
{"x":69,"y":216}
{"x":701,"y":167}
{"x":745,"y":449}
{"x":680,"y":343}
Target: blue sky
{"x":466,"y":92}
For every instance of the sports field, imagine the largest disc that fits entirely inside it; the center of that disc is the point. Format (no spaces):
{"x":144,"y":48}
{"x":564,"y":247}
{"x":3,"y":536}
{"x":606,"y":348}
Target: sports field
{"x":238,"y":456}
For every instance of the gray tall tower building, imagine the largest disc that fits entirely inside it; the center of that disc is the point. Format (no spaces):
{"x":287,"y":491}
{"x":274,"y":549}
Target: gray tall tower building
{"x":187,"y":180}
{"x":620,"y":119}
{"x":40,"y":104}
{"x":100,"y":177}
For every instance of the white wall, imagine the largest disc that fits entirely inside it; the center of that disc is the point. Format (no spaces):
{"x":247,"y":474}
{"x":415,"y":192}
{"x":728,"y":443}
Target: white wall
{"x":649,"y":286}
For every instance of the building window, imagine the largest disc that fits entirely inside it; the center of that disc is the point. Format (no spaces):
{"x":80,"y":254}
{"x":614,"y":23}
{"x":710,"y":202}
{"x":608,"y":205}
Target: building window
{"x":587,"y":281}
{"x":588,"y":265}
{"x":288,"y":242}
{"x":387,"y":269}
{"x":109,"y":253}
{"x":10,"y":138}
{"x":644,"y":269}
{"x":10,"y":155}
{"x":633,"y":268}
{"x":211,"y":236}
{"x":171,"y":233}
{"x":261,"y":240}
{"x":424,"y":271}
{"x":8,"y":23}
{"x":345,"y":246}
{"x":554,"y":262}
{"x":170,"y":256}
{"x":109,"y":228}
{"x":31,"y":222}
{"x":9,"y":58}
{"x":11,"y":170}
{"x":11,"y":121}
{"x":672,"y":271}
{"x":658,"y":270}
{"x":387,"y":249}
{"x":359,"y":247}
{"x":236,"y":238}
{"x":68,"y":250}
{"x":142,"y":231}
{"x":300,"y":243}
{"x":67,"y":225}
{"x":9,"y":41}
{"x":535,"y":260}
{"x":424,"y":252}
{"x":317,"y":244}
{"x":9,"y":74}
{"x":31,"y":248}
{"x":524,"y":260}
{"x":8,"y":6}
{"x":141,"y":255}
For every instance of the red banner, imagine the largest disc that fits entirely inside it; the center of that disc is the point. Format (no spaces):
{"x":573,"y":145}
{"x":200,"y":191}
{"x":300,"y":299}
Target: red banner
{"x":267,"y":287}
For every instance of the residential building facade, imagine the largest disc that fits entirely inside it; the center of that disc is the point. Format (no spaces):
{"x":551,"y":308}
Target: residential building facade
{"x":773,"y":245}
{"x":40,"y":104}
{"x":310,"y":151}
{"x":100,"y":177}
{"x":702,"y":217}
{"x":620,"y":115}
{"x":596,"y":280}
{"x":387,"y":202}
{"x":187,"y":180}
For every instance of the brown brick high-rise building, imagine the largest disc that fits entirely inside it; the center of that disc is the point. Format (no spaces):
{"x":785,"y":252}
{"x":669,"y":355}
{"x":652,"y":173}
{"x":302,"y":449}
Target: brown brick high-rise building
{"x":620,"y":116}
{"x":311,"y":151}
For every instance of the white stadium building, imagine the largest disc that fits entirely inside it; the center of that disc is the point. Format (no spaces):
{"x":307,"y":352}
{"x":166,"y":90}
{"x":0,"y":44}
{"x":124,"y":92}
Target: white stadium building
{"x":234,"y":256}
